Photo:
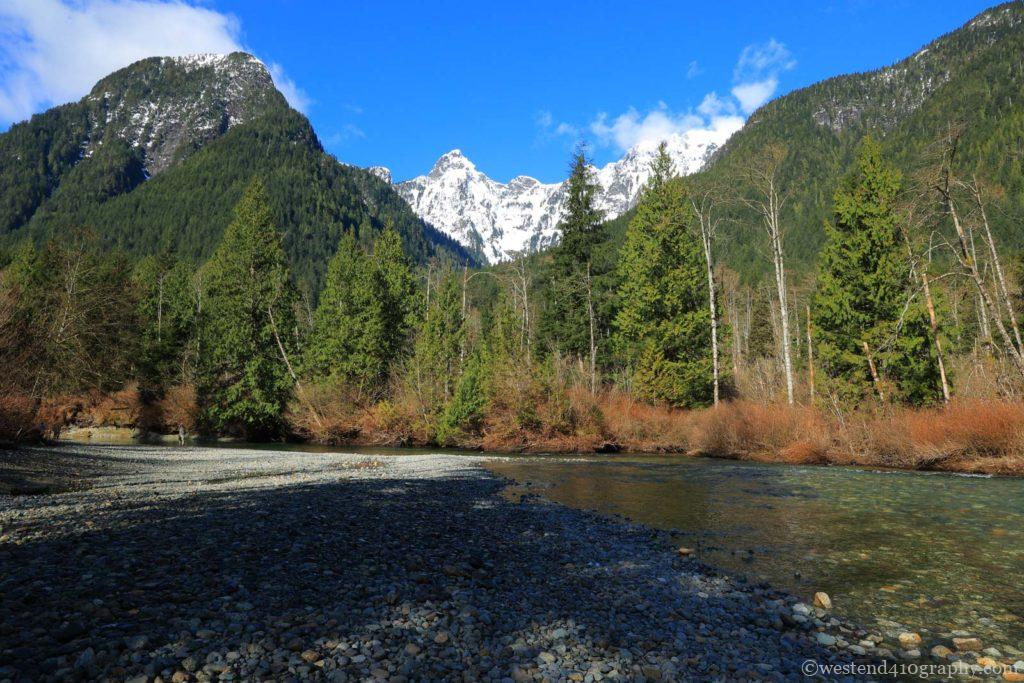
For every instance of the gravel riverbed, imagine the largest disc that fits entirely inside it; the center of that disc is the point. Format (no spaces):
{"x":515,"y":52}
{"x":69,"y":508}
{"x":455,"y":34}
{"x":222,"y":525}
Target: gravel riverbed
{"x":181,"y":564}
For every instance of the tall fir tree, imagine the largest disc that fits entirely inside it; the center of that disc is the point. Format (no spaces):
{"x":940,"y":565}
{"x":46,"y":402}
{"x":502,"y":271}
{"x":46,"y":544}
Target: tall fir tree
{"x":244,"y":381}
{"x":167,"y":315}
{"x":350,"y":339}
{"x":663,"y":326}
{"x":872,"y":338}
{"x":580,"y":260}
{"x":401,"y":292}
{"x":434,"y":367}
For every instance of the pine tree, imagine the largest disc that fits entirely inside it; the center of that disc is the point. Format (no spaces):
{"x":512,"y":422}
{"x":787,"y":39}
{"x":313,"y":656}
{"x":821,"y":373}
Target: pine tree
{"x":464,"y":413}
{"x":662,"y":328}
{"x":871,"y":337}
{"x":168,"y":319}
{"x":401,"y":293}
{"x":349,"y":342}
{"x":247,"y":335}
{"x":434,"y":367}
{"x":578,"y":268}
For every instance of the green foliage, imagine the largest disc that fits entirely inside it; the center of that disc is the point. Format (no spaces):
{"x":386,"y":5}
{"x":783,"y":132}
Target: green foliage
{"x":435,"y":365}
{"x":663,"y":327}
{"x":243,"y":381}
{"x":72,"y":320}
{"x":350,"y":327}
{"x":366,"y":313}
{"x":864,"y":291}
{"x":579,"y":261}
{"x":167,"y":303}
{"x":402,"y":297}
{"x":465,"y":411}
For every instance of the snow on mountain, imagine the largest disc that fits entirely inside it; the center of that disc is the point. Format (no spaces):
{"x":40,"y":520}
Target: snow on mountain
{"x":499,"y":219}
{"x":170,"y":106}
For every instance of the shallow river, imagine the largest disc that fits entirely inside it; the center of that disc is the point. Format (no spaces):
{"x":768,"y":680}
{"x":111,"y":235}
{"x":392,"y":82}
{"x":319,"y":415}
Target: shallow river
{"x":934,"y":552}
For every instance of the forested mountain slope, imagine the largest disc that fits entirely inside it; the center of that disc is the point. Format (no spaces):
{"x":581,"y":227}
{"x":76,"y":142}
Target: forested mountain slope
{"x":972,"y":77}
{"x":156,"y":156}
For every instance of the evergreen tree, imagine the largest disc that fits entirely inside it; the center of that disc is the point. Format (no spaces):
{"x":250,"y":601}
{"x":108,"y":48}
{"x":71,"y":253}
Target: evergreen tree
{"x":863,"y":315}
{"x":167,"y":315}
{"x":579,"y":261}
{"x":435,"y":362}
{"x":244,"y":380}
{"x":663,"y":327}
{"x":350,"y":339}
{"x":465,"y":411}
{"x":401,"y":293}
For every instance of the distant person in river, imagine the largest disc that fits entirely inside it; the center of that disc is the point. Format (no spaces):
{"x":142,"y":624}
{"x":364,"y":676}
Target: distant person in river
{"x":181,"y":435}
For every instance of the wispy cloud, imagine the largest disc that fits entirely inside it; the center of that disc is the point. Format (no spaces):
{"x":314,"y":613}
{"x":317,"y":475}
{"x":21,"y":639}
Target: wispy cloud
{"x":636,"y":129}
{"x":53,"y":51}
{"x":756,"y":75}
{"x":549,"y":129}
{"x":295,"y":95}
{"x":718,"y":116}
{"x":348,"y":132}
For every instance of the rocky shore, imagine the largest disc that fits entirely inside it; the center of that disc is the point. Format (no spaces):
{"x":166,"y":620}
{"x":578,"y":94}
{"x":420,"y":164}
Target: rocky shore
{"x":181,"y":564}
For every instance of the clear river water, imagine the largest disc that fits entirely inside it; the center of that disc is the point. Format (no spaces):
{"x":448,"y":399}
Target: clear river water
{"x":933,"y":553}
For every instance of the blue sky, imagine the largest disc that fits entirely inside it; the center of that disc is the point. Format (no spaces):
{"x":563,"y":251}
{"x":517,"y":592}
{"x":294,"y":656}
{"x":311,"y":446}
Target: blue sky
{"x":513,"y":85}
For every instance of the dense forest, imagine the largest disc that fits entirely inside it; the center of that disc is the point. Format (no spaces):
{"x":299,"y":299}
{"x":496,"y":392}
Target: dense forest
{"x":603,"y":342}
{"x":841,"y":282}
{"x":154,"y":159}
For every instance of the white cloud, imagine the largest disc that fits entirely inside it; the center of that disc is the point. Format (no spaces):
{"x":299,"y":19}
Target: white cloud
{"x":53,"y":51}
{"x":713,"y":105}
{"x":757,"y":73}
{"x":755,"y":78}
{"x":633,"y":128}
{"x":753,"y":95}
{"x":295,"y":95}
{"x":760,"y":59}
{"x":545,"y":121}
{"x":349,"y":131}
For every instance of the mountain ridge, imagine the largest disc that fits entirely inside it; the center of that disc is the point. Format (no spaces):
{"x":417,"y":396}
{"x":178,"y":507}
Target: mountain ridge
{"x":156,"y":155}
{"x":967,"y":77}
{"x":499,"y":220}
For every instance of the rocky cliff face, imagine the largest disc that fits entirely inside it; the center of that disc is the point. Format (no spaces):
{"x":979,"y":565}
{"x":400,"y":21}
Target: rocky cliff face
{"x":168,"y":107}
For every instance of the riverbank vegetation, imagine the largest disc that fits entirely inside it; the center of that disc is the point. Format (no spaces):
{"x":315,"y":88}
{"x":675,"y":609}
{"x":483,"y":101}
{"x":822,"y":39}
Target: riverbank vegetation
{"x":902,"y":349}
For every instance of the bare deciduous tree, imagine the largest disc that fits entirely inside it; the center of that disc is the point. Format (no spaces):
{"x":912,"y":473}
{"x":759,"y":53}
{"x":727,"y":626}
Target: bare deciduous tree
{"x":768,"y":200}
{"x":703,"y":202}
{"x":996,"y":305}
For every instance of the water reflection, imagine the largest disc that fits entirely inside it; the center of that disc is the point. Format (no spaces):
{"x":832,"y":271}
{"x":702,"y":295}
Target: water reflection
{"x":934,"y":553}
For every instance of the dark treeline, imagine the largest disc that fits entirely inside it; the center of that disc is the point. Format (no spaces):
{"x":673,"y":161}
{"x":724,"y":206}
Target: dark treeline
{"x":911,"y":303}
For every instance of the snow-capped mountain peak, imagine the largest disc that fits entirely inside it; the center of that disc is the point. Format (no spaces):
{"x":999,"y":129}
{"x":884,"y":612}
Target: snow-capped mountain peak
{"x":499,"y":219}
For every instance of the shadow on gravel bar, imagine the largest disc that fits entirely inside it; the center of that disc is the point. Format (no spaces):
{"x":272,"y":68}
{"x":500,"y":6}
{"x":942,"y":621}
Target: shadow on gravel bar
{"x":381,"y":579}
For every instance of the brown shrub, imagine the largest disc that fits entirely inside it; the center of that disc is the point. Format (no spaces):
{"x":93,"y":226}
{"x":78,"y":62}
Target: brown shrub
{"x":179,"y":406}
{"x":122,"y":408}
{"x":765,"y":432}
{"x":947,"y":437}
{"x":641,"y":427}
{"x":18,"y":418}
{"x":325,"y":412}
{"x":398,"y":422}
